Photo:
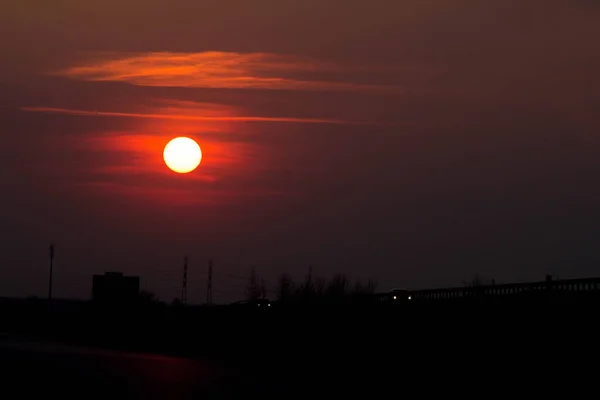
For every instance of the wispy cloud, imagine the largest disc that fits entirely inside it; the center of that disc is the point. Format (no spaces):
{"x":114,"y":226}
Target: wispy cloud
{"x":183,"y":117}
{"x":130,"y":165}
{"x":214,"y":69}
{"x":187,"y":111}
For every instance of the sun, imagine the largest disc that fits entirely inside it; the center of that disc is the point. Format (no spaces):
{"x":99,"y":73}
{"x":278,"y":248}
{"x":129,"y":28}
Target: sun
{"x":182,"y":155}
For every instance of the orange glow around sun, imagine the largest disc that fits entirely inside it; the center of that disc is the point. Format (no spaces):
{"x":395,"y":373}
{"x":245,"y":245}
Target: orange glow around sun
{"x":182,"y":155}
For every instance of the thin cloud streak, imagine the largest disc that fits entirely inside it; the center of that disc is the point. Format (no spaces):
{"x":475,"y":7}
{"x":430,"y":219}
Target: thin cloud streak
{"x":214,"y":69}
{"x":66,"y":111}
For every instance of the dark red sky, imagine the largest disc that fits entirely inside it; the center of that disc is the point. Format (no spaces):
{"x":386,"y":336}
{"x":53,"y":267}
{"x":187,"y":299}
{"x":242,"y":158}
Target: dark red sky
{"x":413,"y":142}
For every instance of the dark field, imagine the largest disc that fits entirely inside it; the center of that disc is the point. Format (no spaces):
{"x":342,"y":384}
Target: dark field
{"x":36,"y":369}
{"x":325,"y":352}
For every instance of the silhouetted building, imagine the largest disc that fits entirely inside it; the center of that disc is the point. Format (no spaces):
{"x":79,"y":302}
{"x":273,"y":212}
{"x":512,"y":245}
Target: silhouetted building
{"x":114,"y":287}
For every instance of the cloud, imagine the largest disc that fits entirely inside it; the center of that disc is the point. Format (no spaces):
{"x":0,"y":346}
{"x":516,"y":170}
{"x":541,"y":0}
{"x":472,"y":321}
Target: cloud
{"x":196,"y":112}
{"x":130,"y":166}
{"x":180,"y":116}
{"x":214,"y":69}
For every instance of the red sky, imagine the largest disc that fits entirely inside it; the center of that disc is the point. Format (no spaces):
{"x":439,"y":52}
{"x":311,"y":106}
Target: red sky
{"x":416,"y":143}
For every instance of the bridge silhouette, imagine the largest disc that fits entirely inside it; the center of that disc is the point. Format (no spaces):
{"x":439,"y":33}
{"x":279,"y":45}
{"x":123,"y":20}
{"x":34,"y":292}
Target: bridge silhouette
{"x":566,"y":289}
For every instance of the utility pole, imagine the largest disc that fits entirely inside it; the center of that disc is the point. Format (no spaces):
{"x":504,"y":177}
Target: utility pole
{"x":184,"y":286}
{"x":51,"y":264}
{"x":209,"y":289}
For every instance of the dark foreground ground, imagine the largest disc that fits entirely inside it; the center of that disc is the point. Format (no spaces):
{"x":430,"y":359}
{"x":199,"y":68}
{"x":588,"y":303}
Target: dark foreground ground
{"x":36,"y":369}
{"x":329,"y":352}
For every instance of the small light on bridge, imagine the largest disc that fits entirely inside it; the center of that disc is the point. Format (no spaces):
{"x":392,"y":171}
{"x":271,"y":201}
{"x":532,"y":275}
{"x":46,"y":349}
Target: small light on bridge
{"x":410,"y":297}
{"x":394,"y":297}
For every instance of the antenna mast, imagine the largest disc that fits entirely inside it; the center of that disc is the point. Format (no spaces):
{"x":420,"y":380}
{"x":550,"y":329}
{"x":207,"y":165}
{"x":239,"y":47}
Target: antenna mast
{"x":209,"y":289}
{"x":51,"y":264}
{"x":184,"y":286}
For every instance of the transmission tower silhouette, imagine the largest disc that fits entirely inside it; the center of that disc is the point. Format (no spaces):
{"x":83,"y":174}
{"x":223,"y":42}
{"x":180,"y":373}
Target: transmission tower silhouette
{"x":209,"y":288}
{"x":184,"y":286}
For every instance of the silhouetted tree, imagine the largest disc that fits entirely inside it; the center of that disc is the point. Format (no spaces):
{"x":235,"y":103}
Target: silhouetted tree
{"x":319,"y":287}
{"x":263,"y":289}
{"x":147,"y":297}
{"x":359,"y":289}
{"x":176,"y":303}
{"x":147,"y":300}
{"x":338,"y":287}
{"x":305,"y":292}
{"x":476,"y":281}
{"x":475,"y":284}
{"x":315,"y":289}
{"x":254,"y":290}
{"x":371,"y":286}
{"x":285,"y":287}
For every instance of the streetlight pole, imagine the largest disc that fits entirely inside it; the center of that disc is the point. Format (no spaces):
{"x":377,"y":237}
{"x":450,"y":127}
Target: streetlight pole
{"x":51,"y":262}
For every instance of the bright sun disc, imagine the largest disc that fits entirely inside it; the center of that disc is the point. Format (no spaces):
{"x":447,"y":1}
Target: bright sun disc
{"x":182,"y":155}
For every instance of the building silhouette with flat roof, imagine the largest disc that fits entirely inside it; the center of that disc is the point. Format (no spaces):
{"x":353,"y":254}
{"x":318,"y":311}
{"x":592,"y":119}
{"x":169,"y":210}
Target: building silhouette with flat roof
{"x":116,"y":288}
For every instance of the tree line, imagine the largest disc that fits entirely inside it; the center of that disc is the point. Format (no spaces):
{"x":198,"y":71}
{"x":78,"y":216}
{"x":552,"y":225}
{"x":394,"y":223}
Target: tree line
{"x":311,"y":290}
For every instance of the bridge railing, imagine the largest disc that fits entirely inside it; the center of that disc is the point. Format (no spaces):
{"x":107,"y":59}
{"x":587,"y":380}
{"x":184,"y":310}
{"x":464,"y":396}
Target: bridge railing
{"x":567,"y":286}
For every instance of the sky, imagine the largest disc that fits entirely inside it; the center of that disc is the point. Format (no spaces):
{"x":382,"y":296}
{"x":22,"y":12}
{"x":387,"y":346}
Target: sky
{"x":416,"y":143}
